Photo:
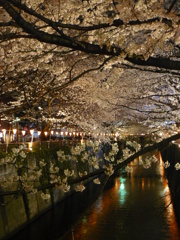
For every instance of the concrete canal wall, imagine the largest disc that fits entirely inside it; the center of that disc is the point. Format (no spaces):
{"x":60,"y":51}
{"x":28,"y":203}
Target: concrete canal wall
{"x":13,"y":216}
{"x":16,"y":211}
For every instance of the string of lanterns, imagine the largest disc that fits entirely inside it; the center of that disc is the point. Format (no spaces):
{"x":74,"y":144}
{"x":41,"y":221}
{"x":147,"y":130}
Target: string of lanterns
{"x":15,"y":136}
{"x":8,"y":137}
{"x":54,"y":133}
{"x":3,"y":133}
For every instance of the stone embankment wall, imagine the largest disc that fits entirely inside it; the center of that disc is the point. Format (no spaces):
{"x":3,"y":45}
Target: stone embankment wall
{"x":16,"y":211}
{"x":13,"y":216}
{"x":172,"y":155}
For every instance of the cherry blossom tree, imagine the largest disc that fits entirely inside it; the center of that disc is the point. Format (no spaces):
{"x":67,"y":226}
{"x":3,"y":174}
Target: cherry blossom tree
{"x":97,"y":65}
{"x":90,"y":63}
{"x":69,"y":171}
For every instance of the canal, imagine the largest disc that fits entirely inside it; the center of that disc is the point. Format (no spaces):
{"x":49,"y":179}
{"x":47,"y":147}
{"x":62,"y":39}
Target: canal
{"x":134,"y":205}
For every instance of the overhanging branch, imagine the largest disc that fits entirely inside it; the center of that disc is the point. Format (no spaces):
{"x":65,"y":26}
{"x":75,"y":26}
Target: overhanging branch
{"x":158,"y":146}
{"x":66,"y":41}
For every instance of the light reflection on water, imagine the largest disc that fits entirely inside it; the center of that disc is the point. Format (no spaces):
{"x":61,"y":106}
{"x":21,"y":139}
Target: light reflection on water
{"x":122,"y":190}
{"x":170,"y":217}
{"x":132,"y":207}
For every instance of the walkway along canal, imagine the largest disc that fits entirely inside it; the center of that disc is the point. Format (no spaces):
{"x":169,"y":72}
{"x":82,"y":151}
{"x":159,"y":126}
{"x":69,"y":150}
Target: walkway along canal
{"x":132,"y":206}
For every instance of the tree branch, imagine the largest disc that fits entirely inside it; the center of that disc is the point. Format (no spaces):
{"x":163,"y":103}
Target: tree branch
{"x":158,"y":146}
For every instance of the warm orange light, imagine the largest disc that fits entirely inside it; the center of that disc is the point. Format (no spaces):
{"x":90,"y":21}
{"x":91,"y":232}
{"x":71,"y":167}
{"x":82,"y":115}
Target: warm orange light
{"x":14,"y":131}
{"x":31,"y":131}
{"x":45,"y":133}
{"x":39,"y":133}
{"x":30,"y":146}
{"x":23,"y":132}
{"x":142,"y":183}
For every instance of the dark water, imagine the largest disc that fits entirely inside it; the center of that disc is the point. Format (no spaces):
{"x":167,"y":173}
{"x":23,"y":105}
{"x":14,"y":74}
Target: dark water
{"x":133,"y":206}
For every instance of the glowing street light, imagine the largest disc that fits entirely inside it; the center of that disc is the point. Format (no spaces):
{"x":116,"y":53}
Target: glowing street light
{"x":45,"y":133}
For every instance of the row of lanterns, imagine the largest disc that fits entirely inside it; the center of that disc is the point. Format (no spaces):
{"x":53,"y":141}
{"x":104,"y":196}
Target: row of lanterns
{"x":45,"y":133}
{"x":66,"y":133}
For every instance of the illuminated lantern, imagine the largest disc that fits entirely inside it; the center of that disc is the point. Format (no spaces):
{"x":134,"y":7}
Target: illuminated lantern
{"x":23,"y":132}
{"x":14,"y":131}
{"x":39,"y":133}
{"x":31,"y":131}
